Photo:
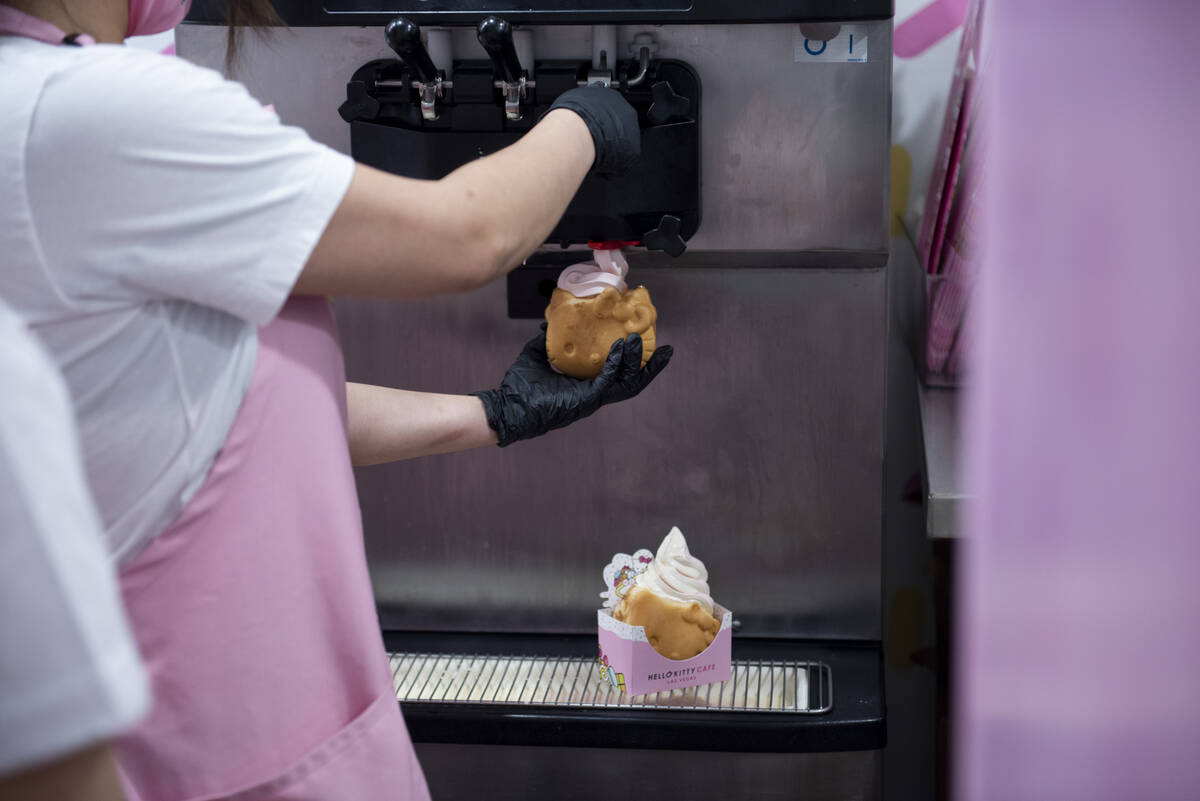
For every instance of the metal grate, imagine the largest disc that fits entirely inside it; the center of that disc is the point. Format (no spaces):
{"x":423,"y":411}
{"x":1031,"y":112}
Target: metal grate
{"x":755,"y":686}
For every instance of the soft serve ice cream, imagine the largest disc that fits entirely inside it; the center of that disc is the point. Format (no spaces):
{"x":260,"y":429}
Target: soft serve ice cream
{"x":608,"y":268}
{"x":676,"y":575}
{"x":670,"y":599}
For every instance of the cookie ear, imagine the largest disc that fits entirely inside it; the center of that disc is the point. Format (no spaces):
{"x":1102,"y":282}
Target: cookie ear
{"x":634,"y":317}
{"x":641,"y":319}
{"x":605,"y":303}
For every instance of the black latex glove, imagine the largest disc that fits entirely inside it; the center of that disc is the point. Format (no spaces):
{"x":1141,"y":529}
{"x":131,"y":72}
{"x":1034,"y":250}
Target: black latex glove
{"x":533,"y":399}
{"x":613,"y":123}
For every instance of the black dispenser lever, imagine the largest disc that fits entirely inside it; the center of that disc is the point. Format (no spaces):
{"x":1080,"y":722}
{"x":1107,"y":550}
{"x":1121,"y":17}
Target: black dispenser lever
{"x":496,"y":36}
{"x":404,"y":37}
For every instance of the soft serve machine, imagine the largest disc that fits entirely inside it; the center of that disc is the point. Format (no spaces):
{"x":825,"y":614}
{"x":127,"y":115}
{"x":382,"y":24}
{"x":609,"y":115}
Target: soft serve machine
{"x":760,"y":209}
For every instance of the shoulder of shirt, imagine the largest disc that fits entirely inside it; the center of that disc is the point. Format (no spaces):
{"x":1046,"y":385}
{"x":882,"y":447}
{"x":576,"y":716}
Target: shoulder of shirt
{"x":127,"y":78}
{"x":129,"y":92}
{"x":134,"y":70}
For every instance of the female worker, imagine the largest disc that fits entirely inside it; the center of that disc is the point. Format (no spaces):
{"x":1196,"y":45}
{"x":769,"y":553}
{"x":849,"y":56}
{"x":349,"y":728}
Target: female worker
{"x":151,"y":216}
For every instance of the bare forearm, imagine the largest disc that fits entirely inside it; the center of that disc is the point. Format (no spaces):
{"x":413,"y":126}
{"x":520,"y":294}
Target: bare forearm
{"x":387,"y":425}
{"x":403,"y":238}
{"x":89,"y":775}
{"x":524,"y":189}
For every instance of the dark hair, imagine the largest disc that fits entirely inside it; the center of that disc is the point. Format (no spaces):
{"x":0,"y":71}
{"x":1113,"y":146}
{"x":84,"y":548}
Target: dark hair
{"x":256,"y":14}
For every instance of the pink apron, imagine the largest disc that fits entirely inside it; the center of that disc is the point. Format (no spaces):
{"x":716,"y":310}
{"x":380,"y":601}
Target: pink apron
{"x":254,"y":610}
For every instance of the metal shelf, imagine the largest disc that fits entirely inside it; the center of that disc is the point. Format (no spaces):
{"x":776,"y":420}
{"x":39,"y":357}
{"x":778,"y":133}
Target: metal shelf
{"x":576,"y":682}
{"x":466,"y":688}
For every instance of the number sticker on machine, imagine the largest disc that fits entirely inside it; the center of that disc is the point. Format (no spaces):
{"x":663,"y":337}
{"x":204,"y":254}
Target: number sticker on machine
{"x":850,"y":45}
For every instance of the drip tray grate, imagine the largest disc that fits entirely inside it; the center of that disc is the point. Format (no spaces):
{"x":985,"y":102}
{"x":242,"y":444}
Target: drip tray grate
{"x":573,"y":682}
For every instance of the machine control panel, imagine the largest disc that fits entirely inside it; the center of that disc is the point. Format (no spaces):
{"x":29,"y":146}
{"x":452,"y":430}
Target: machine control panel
{"x":564,"y":12}
{"x":503,"y":6}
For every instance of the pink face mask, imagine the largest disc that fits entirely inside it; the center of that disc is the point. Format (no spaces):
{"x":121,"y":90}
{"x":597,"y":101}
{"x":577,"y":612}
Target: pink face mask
{"x":147,"y":17}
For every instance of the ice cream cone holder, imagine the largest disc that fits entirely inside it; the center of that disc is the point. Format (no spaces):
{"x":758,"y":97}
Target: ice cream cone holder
{"x":628,"y":662}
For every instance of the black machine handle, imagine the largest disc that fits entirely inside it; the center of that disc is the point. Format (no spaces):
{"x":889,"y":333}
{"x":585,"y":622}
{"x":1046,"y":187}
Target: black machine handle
{"x":359,"y":104}
{"x":666,"y":106}
{"x":404,"y":37}
{"x":496,"y":36}
{"x":666,"y":237}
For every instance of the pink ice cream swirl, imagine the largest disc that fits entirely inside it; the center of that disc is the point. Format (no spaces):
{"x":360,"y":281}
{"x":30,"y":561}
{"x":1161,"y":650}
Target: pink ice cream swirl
{"x":589,"y":278}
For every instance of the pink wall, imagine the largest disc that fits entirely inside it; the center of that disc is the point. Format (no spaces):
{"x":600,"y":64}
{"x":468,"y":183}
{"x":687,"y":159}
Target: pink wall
{"x":1079,"y":654}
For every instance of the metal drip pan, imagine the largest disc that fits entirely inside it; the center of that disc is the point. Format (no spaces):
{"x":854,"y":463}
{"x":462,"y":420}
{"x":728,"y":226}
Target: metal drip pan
{"x":767,"y":686}
{"x":514,"y":689}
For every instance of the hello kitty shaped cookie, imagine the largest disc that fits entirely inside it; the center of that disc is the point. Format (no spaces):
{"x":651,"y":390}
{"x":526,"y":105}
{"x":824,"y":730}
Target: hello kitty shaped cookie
{"x":590,"y":309}
{"x":621,"y":573}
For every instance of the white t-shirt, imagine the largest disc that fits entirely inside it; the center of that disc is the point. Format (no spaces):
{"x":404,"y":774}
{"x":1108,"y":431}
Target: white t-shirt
{"x":152,"y":215}
{"x":70,"y":674}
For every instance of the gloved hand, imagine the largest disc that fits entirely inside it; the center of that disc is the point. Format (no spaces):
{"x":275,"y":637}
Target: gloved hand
{"x":533,"y":399}
{"x":613,"y":123}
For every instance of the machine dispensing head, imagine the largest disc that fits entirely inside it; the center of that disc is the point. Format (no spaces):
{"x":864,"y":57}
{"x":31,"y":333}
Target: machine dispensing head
{"x":496,"y":36}
{"x":401,"y":123}
{"x":404,"y":37}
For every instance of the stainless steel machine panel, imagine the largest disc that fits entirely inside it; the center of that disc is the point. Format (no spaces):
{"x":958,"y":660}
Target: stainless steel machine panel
{"x":794,"y":156}
{"x":763,"y":440}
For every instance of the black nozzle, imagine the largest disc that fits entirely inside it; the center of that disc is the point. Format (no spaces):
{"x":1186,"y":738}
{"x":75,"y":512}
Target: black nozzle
{"x":496,"y":36}
{"x":404,"y":37}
